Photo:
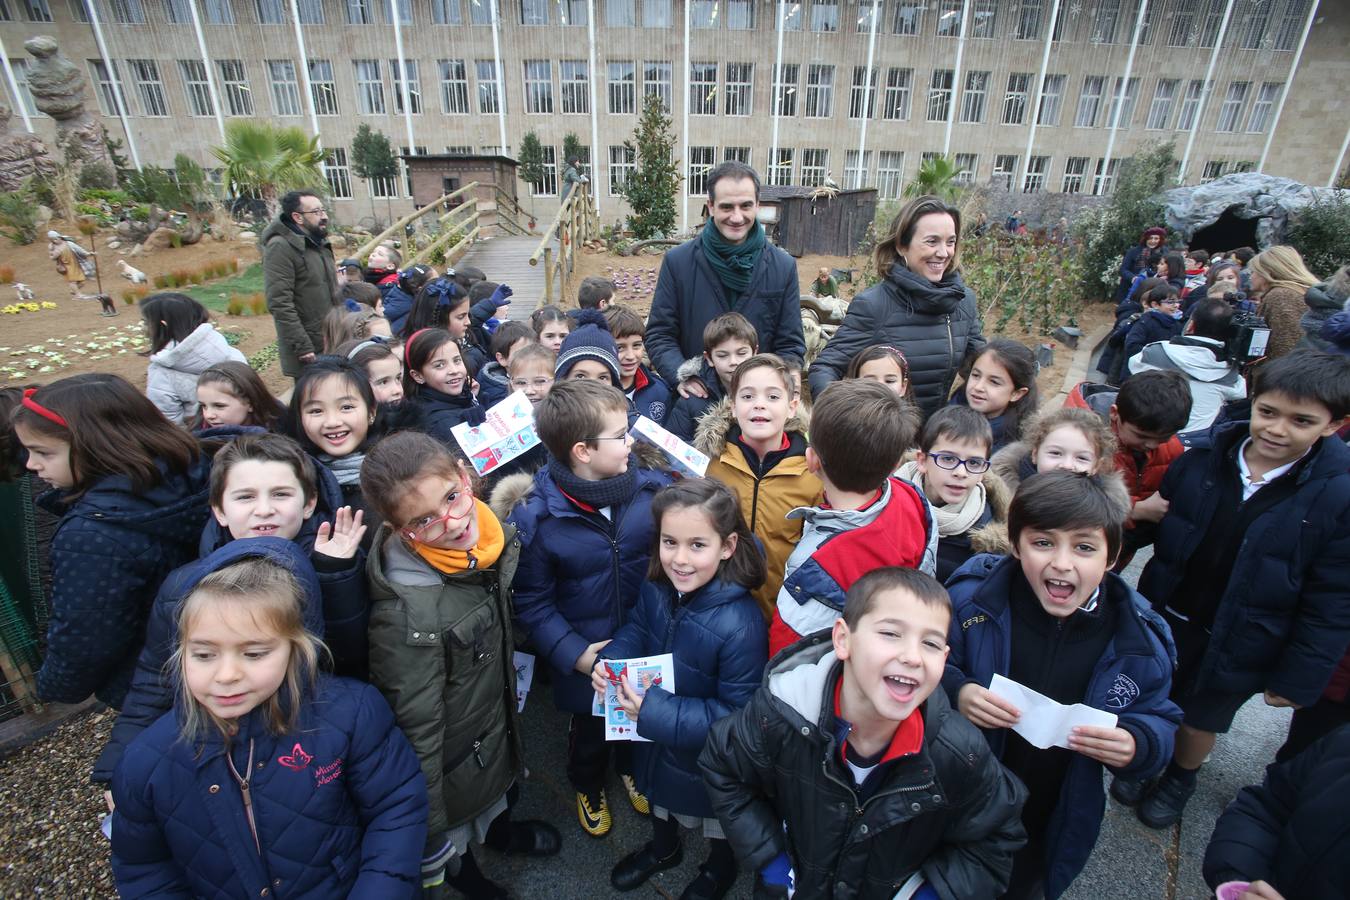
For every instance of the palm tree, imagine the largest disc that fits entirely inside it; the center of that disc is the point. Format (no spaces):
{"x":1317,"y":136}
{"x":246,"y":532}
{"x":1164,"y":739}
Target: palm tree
{"x":937,"y":176}
{"x":264,"y":161}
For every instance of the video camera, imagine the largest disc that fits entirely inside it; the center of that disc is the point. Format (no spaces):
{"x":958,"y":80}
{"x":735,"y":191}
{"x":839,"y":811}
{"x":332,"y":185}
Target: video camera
{"x":1250,"y":336}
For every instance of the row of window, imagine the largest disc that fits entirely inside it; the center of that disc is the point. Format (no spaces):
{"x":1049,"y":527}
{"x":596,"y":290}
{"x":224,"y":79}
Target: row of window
{"x":1192,"y":23}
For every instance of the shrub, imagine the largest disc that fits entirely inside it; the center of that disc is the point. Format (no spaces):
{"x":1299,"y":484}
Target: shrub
{"x":234,"y":266}
{"x":258,"y":303}
{"x":196,"y":277}
{"x":160,"y":282}
{"x":175,"y":240}
{"x":235,"y":305}
{"x":97,"y":175}
{"x":1321,"y":233}
{"x":1017,"y":280}
{"x":18,"y":216}
{"x":129,"y":298}
{"x":181,"y":277}
{"x":6,"y":274}
{"x":112,"y":197}
{"x":140,"y":212}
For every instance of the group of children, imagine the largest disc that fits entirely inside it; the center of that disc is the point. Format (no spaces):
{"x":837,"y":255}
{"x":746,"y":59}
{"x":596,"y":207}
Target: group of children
{"x":321,"y":700}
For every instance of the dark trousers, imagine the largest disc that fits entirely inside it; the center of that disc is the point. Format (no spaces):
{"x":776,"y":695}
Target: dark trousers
{"x":1311,"y":723}
{"x":588,"y":754}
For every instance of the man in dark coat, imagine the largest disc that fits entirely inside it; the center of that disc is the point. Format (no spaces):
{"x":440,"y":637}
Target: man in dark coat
{"x":729,"y":267}
{"x":299,"y":277}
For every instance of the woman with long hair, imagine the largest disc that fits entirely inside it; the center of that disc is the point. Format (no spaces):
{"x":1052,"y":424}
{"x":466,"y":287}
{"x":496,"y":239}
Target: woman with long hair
{"x":1279,"y":280}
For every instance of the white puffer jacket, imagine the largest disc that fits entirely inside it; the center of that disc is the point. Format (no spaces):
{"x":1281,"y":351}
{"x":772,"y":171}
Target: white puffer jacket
{"x":171,"y":382}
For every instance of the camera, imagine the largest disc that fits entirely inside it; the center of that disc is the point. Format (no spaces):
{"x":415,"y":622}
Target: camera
{"x":1250,"y":336}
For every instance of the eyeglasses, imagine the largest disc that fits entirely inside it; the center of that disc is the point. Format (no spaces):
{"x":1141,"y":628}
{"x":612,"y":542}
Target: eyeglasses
{"x":976,"y":465}
{"x":521,"y":384}
{"x":613,"y":437}
{"x":429,"y":529}
{"x":312,"y":212}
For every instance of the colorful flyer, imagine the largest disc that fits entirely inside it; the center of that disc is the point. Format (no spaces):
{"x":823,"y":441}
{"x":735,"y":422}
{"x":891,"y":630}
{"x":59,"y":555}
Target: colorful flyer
{"x":684,"y":456}
{"x":524,"y":665}
{"x":507,"y":433}
{"x":642,"y":674}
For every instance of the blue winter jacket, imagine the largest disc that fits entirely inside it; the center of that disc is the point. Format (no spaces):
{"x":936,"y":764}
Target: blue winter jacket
{"x":397,"y":304}
{"x":682,"y":418}
{"x":1336,"y":331}
{"x":579,"y":575}
{"x":1283,"y":622}
{"x":1132,"y":680}
{"x":1154,"y":325}
{"x":442,"y":412}
{"x":339,"y":805}
{"x":109,"y":554}
{"x":720,"y":648}
{"x":651,"y":396}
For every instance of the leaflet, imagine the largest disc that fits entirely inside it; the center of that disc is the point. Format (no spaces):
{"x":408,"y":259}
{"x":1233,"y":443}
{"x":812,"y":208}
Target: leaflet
{"x":686,"y":457}
{"x":507,"y":433}
{"x":1045,"y":722}
{"x":643,"y":673}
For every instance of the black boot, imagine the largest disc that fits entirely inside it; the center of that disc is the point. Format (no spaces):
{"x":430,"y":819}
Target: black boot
{"x":634,"y":869}
{"x":1129,"y":791}
{"x":1163,"y":806}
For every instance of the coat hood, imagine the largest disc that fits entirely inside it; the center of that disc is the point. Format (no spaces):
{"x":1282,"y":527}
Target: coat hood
{"x":922,"y":295}
{"x":329,"y":500}
{"x":278,"y":550}
{"x":1326,"y":297}
{"x":197,"y":352}
{"x":1191,"y":356}
{"x":714,"y":427}
{"x":993,"y":537}
{"x":282,"y":229}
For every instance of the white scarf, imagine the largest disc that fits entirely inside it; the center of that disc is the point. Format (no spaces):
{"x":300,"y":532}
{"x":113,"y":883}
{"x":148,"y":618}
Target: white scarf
{"x":951,"y":520}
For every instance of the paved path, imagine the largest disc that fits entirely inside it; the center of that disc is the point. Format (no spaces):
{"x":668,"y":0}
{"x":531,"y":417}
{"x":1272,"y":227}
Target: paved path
{"x":506,"y":259}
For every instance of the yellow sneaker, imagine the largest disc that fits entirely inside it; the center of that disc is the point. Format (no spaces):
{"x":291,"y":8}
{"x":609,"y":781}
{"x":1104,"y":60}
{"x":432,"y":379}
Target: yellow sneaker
{"x":636,"y":797}
{"x":593,"y":812}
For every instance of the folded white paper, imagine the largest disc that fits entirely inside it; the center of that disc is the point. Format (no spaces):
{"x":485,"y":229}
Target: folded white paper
{"x":507,"y":432}
{"x":1045,"y":722}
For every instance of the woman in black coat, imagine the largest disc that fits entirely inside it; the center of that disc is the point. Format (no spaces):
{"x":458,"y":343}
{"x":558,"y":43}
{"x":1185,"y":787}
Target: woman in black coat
{"x":1133,"y":263}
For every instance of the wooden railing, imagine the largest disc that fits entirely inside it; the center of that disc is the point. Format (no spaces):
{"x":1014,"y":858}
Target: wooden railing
{"x":510,"y":215}
{"x":576,"y":223}
{"x":440,"y":205}
{"x":454,"y":224}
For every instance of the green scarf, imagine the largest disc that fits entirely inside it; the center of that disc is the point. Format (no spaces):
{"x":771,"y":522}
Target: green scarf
{"x":733,"y":263}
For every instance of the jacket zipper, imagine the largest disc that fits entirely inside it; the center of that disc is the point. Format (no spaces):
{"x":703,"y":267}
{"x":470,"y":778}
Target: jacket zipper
{"x":754,"y":505}
{"x":951,"y":354}
{"x":244,"y":790}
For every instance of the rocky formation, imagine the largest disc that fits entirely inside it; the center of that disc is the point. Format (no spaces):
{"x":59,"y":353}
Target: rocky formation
{"x":58,"y":90}
{"x":22,"y":155}
{"x":1266,"y":198}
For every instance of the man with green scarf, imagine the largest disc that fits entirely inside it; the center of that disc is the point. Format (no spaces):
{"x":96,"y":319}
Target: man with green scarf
{"x":730,"y":266}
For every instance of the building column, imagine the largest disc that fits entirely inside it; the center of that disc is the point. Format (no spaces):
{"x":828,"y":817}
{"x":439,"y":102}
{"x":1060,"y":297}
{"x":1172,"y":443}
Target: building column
{"x":1040,"y":92}
{"x":501,"y":79}
{"x":305,"y":82}
{"x":14,"y":89}
{"x":402,"y":85}
{"x":861,"y":169}
{"x":206,"y":64}
{"x":1204,"y":91}
{"x":956,"y":78}
{"x":684,"y":131}
{"x":119,"y":99}
{"x":595,"y":120}
{"x":1288,"y":83}
{"x":777,"y":76}
{"x":1120,"y":98}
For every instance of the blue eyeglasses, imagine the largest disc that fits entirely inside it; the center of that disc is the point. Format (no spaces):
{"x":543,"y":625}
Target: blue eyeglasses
{"x":976,"y":465}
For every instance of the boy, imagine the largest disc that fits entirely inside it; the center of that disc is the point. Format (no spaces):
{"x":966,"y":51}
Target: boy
{"x":859,"y":430}
{"x":825,"y":284}
{"x":595,"y":293}
{"x":1199,"y":356}
{"x":1052,"y":617}
{"x":648,"y":394}
{"x":494,"y":382}
{"x":1249,"y":566}
{"x":1161,"y":320}
{"x":728,"y":341}
{"x":879,"y":781}
{"x":585,"y":528}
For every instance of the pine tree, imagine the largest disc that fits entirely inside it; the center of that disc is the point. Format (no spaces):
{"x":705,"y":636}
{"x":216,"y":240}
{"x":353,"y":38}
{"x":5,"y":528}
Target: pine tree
{"x":530,"y":161}
{"x":650,"y":190}
{"x":573,"y":147}
{"x":373,"y":157}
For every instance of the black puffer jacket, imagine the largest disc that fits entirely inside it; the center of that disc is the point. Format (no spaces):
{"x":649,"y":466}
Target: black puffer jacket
{"x":936,"y":326}
{"x":1324,"y":301}
{"x":950,"y":810}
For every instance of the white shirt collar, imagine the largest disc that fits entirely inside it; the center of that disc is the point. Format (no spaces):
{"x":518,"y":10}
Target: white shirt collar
{"x":1250,"y":487}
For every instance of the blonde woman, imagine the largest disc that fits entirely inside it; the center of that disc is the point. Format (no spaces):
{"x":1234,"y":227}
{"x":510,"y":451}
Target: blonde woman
{"x":1279,"y":281}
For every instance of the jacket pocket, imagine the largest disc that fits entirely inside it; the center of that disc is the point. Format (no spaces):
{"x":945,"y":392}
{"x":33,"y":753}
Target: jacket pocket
{"x":341,"y":866}
{"x":475,"y":639}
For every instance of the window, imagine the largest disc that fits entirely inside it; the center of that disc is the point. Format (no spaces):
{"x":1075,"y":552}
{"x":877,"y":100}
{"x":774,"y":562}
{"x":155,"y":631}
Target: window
{"x":359,"y":12}
{"x":574,"y":13}
{"x":1089,"y":101}
{"x":824,"y":17}
{"x":1190,"y":105}
{"x":446,"y":12}
{"x":655,"y":13}
{"x":949,"y":18}
{"x":701,"y":160}
{"x":270,"y":12}
{"x":384,"y":188}
{"x":533,"y":12}
{"x":176,"y":12}
{"x":1106,"y":183}
{"x":656,"y":78}
{"x":369,"y":88}
{"x":983,"y":13}
{"x":311,"y":12}
{"x":1245,"y":165}
{"x":856,"y":176}
{"x":890,"y":171}
{"x":1160,"y":110}
{"x":1291,"y":26}
{"x":819,"y":91}
{"x":906,"y":21}
{"x":785,"y":90}
{"x":1183,"y":30}
{"x":1230,"y":113}
{"x":1015,"y":100}
{"x":454,"y":87}
{"x":1146,"y":30}
{"x":20,"y":67}
{"x":940,"y":95}
{"x":896,"y":103}
{"x":548,"y":187}
{"x":740,"y":88}
{"x":127,"y":12}
{"x":966,"y":166}
{"x":459,"y":149}
{"x":1263,"y":107}
{"x":622,"y":85}
{"x":1075,"y":170}
{"x":236,"y":96}
{"x":792,"y":17}
{"x":149,"y":87}
{"x":1037,"y":167}
{"x":1028,"y":24}
{"x":538,"y":86}
{"x":338,"y":174}
{"x":489,"y":95}
{"x":1105,"y":21}
{"x":862,"y":97}
{"x":1052,"y":100}
{"x":195,"y":84}
{"x":703,"y":13}
{"x":412,"y":86}
{"x":1252,"y":29}
{"x":285,"y":87}
{"x":105,"y":86}
{"x":1213,"y":169}
{"x":619,"y":14}
{"x":869,"y":16}
{"x":575,"y":78}
{"x":622,"y":164}
{"x":37,"y":11}
{"x":780,"y":169}
{"x":815,"y":163}
{"x":218,"y":12}
{"x":703,"y":89}
{"x":323,"y":87}
{"x":741,"y":15}
{"x":1126,"y":104}
{"x":1005,"y":168}
{"x":480,"y":12}
{"x":1211,"y":19}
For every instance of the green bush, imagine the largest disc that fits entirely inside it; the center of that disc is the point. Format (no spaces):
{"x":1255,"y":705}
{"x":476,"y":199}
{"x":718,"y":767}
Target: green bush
{"x":1019,"y":281}
{"x":98,"y":175}
{"x":113,"y":197}
{"x":1321,"y":233}
{"x":18,"y":215}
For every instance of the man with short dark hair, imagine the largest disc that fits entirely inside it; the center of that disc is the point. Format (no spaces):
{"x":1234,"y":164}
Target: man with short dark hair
{"x":729,"y":267}
{"x":1199,"y":355}
{"x":299,"y":278}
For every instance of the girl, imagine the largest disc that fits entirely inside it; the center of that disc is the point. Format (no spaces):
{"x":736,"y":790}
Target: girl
{"x":382,"y":366}
{"x":231,"y":393}
{"x":442,"y":305}
{"x":258,"y":735}
{"x":531,"y":371}
{"x":183,"y":344}
{"x":341,"y":325}
{"x":695,"y":605}
{"x":439,"y":381}
{"x":1001,"y":386}
{"x":131,"y":491}
{"x":884,"y":365}
{"x":441,"y":652}
{"x":552,"y":326}
{"x":1066,"y":438}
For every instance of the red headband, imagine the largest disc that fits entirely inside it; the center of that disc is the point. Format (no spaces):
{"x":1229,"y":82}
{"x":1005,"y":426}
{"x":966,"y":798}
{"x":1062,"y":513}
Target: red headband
{"x":412,"y":337}
{"x":30,"y":403}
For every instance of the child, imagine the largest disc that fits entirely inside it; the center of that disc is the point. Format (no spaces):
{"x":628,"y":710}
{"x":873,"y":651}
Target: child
{"x":825,"y":284}
{"x":488,"y":306}
{"x":438,"y":380}
{"x":341,"y":325}
{"x":883,"y":364}
{"x":728,"y":341}
{"x":1052,"y":617}
{"x":648,"y":394}
{"x":494,"y":382}
{"x":267,"y":776}
{"x":866,"y":518}
{"x":551,"y":325}
{"x":183,"y":344}
{"x":595,"y":293}
{"x":1249,"y":565}
{"x":880,"y":783}
{"x":1161,"y":320}
{"x":969,"y":502}
{"x":586,"y":535}
{"x":1001,"y":386}
{"x":441,"y":305}
{"x":756,"y":440}
{"x":382,"y":367}
{"x":694,"y":605}
{"x":1200,"y":355}
{"x":131,"y":490}
{"x":1128,"y":311}
{"x":531,"y":371}
{"x":441,"y":651}
{"x":589,"y":353}
{"x":1066,"y":438}
{"x":231,"y":393}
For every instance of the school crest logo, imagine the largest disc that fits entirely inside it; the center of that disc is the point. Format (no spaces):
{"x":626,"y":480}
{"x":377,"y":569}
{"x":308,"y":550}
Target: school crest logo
{"x":1123,"y":692}
{"x":657,"y":411}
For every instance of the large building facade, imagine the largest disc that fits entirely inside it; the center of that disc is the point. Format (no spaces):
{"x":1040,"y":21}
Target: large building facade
{"x":1037,"y":95}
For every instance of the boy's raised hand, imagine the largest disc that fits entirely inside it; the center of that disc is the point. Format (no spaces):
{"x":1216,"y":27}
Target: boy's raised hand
{"x":1150,"y":509}
{"x":586,"y":662}
{"x":985,"y":708}
{"x":691,"y":387}
{"x":341,"y":538}
{"x":1111,"y":746}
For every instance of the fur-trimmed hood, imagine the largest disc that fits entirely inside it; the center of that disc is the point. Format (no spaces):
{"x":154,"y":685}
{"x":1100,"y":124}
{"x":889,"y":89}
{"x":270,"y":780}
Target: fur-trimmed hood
{"x":710,"y":436}
{"x":1011,"y":464}
{"x":993,"y":537}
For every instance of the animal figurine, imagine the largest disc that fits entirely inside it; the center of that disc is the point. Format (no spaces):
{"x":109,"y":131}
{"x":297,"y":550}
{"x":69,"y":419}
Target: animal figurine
{"x":24,"y":291}
{"x":130,"y":272}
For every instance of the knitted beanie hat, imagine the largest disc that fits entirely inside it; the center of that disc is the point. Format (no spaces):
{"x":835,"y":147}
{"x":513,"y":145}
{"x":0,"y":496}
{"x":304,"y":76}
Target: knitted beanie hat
{"x":590,"y":339}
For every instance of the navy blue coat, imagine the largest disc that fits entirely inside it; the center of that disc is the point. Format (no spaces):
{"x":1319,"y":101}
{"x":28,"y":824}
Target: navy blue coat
{"x":1152,"y":326}
{"x":1336,"y":330}
{"x":1132,"y":680}
{"x":397,"y":304}
{"x":494,"y":385}
{"x":441,"y":412}
{"x":1130,"y":267}
{"x":682,"y":419}
{"x":689,"y":295}
{"x":109,"y":554}
{"x":653,"y":398}
{"x":579,"y":575}
{"x":340,"y":806}
{"x":1284,"y":621}
{"x":720,"y":647}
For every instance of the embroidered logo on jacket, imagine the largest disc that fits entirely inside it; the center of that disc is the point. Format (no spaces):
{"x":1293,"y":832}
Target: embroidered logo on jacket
{"x":1123,"y":692}
{"x":297,"y":760}
{"x":974,"y":620}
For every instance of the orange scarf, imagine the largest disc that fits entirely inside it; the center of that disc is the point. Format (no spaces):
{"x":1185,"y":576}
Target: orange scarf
{"x":491,"y":540}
